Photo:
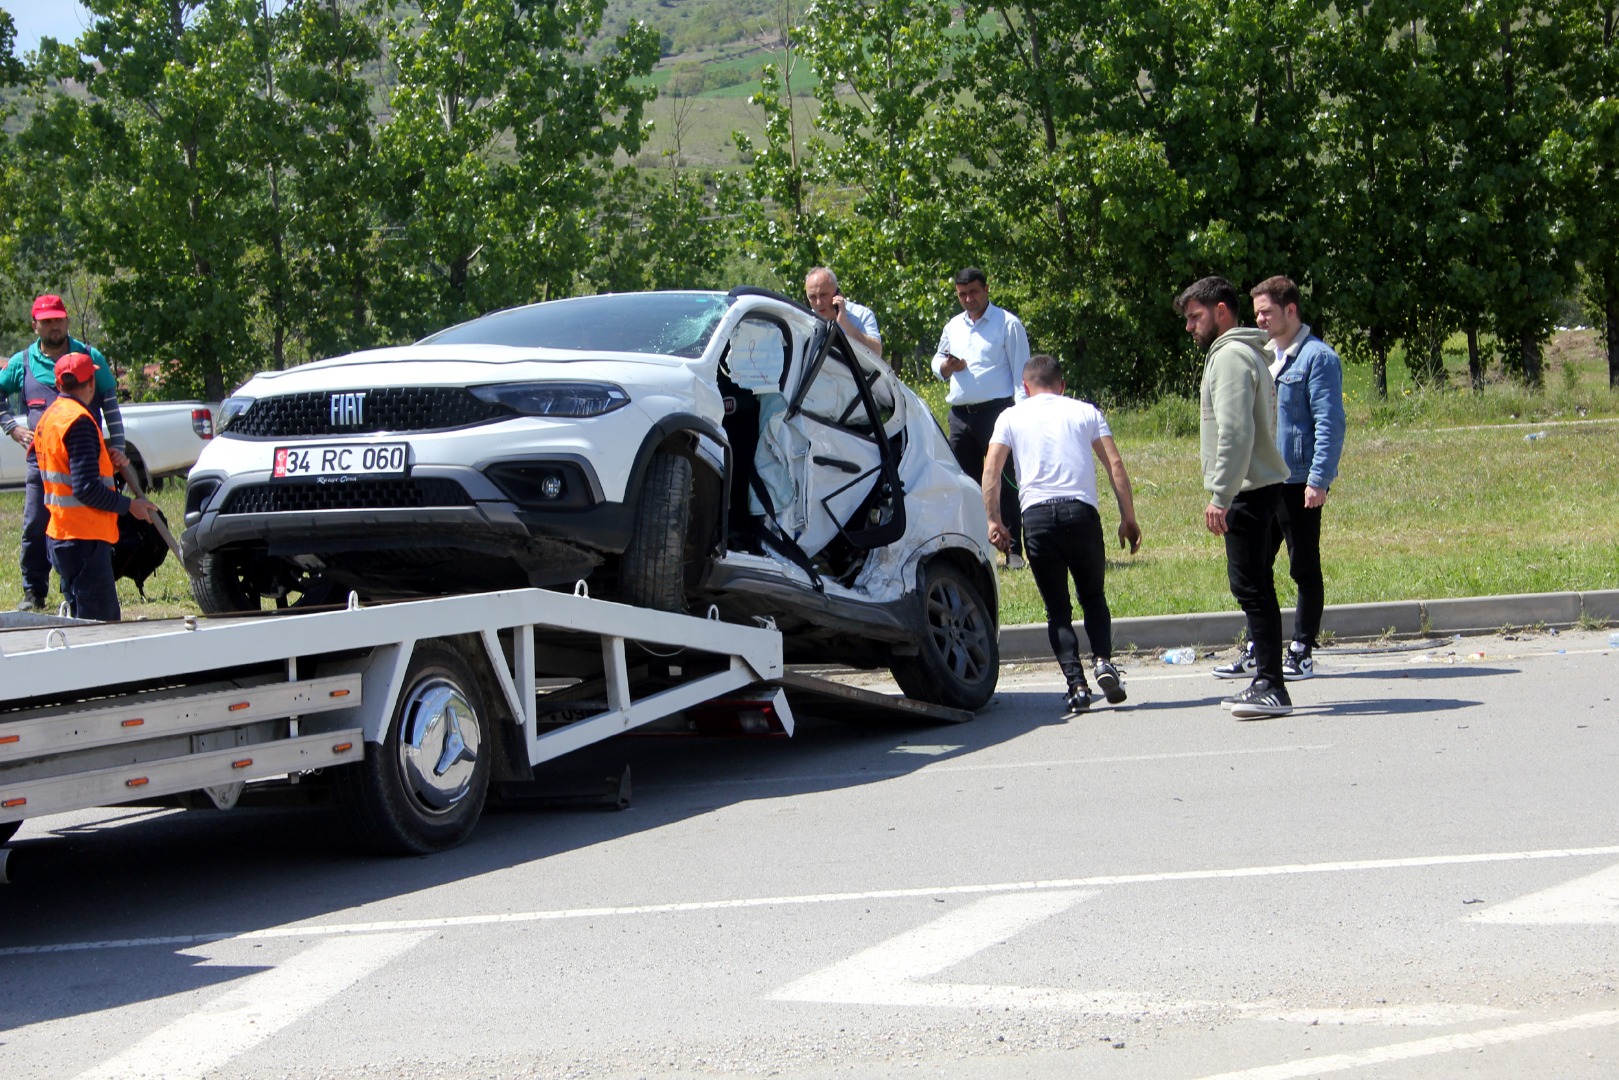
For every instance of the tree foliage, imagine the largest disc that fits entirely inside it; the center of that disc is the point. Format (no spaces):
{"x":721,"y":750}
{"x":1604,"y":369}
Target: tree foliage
{"x":241,"y":184}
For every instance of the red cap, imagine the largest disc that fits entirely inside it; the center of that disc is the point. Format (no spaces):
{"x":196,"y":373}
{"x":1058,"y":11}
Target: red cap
{"x":77,"y":364}
{"x":49,"y":306}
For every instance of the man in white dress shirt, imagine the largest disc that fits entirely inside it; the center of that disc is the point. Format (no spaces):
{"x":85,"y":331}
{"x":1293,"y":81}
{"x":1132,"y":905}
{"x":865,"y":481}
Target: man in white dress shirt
{"x":981,"y":354}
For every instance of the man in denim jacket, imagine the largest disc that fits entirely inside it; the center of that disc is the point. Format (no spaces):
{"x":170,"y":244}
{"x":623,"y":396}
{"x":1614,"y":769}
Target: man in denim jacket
{"x":1310,"y":434}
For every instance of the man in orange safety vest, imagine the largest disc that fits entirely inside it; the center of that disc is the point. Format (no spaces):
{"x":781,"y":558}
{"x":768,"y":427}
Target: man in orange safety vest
{"x":77,"y":475}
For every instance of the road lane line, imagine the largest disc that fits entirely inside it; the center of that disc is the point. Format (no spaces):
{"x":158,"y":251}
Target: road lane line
{"x":254,"y":1009}
{"x":1415,"y":862}
{"x":885,"y":973}
{"x":1439,"y":1044}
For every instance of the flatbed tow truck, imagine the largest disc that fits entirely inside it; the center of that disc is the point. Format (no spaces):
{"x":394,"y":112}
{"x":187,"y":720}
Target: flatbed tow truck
{"x":408,"y":714}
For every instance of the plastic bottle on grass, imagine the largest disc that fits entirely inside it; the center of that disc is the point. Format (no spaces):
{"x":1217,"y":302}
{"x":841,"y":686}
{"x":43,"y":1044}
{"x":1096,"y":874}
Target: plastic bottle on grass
{"x":1183,"y":655}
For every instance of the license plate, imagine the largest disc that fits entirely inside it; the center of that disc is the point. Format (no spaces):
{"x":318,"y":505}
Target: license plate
{"x":341,"y":459}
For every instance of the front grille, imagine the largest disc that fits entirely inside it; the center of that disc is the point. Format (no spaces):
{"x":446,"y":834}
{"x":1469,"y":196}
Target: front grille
{"x":394,"y":408}
{"x":359,"y":495}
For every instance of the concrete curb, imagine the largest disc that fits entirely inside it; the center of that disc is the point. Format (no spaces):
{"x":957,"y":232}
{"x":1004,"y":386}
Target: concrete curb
{"x":1399,"y":618}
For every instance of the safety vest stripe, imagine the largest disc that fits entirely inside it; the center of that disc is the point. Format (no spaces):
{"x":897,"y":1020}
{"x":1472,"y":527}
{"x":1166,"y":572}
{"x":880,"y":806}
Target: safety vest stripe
{"x":66,"y":479}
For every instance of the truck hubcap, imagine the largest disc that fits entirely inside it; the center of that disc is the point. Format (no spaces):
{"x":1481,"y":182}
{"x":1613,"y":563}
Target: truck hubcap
{"x":438,"y":744}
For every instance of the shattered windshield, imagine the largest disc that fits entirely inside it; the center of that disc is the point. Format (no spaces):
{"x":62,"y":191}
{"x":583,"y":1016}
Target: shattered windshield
{"x":668,"y":323}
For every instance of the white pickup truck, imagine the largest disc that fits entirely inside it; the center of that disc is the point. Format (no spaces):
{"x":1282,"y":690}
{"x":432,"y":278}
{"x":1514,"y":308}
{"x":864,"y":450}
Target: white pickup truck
{"x":162,"y":439}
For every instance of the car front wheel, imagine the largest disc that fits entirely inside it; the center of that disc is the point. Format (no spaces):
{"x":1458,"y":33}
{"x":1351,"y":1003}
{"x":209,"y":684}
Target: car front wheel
{"x":652,"y":571}
{"x":958,"y":657}
{"x":225,"y":584}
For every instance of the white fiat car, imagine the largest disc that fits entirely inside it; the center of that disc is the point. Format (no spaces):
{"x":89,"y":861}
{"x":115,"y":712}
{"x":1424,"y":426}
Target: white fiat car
{"x":676,"y":449}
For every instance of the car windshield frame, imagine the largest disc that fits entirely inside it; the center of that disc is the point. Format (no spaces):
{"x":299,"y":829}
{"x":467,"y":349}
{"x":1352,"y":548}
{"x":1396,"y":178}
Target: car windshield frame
{"x":677,"y":324}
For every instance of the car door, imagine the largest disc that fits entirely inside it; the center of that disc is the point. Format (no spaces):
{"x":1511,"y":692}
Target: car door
{"x":13,"y":463}
{"x":850,"y":474}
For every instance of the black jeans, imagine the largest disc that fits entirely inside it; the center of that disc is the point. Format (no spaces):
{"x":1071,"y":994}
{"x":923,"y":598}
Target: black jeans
{"x":1065,"y":538}
{"x":1250,"y":553}
{"x":970,"y":429}
{"x":1300,"y":526}
{"x":87,"y":581}
{"x":34,"y":556}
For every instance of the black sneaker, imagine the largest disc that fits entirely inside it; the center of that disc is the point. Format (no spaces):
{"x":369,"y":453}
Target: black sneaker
{"x":1243,"y":667}
{"x":1107,"y":680}
{"x":1297,"y":663}
{"x":1078,"y":698}
{"x":1260,"y":700}
{"x":30,"y":602}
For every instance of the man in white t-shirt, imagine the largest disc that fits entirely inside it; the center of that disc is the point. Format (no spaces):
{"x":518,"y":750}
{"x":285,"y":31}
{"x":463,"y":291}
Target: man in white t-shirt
{"x":1054,"y":442}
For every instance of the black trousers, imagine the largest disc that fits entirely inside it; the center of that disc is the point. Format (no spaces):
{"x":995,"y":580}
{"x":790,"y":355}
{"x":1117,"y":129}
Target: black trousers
{"x":87,"y":581}
{"x":1300,"y":527}
{"x":1065,"y":539}
{"x":1250,"y":552}
{"x":970,"y":429}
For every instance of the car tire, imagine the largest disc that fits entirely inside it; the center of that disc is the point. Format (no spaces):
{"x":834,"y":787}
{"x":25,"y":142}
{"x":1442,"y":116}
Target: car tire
{"x":958,"y":656}
{"x":423,"y":787}
{"x":652,"y":570}
{"x":222,"y":585}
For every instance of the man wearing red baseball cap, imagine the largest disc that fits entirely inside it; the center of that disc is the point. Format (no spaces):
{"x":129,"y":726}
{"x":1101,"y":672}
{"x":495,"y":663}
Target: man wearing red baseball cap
{"x":77,"y":475}
{"x":33,"y":372}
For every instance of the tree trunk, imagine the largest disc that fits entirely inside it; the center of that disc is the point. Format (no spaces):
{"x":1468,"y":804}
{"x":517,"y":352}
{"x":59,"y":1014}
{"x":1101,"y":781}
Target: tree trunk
{"x":1610,"y":334}
{"x":1529,"y":350}
{"x":1475,"y":368}
{"x":1380,"y":362}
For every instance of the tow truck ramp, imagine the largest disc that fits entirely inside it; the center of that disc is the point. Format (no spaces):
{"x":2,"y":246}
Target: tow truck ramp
{"x":407,"y":712}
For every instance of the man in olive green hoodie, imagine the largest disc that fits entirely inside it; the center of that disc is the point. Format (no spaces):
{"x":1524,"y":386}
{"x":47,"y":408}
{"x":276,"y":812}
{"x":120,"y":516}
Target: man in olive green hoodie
{"x":1242,"y":471}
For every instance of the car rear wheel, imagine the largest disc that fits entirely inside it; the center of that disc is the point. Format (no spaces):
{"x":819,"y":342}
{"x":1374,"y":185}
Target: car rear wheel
{"x":225,"y":584}
{"x":652,"y":570}
{"x":958,"y":657}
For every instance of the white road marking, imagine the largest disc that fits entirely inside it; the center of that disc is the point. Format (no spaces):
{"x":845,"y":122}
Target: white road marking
{"x":1592,"y":899}
{"x":1428,"y":1014}
{"x":1415,"y":862}
{"x":254,"y":1009}
{"x":929,"y":751}
{"x":1439,"y":1044}
{"x":886,"y":974}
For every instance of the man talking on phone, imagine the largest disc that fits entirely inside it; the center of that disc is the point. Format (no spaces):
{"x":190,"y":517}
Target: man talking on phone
{"x":826,"y":299}
{"x":981,"y":355}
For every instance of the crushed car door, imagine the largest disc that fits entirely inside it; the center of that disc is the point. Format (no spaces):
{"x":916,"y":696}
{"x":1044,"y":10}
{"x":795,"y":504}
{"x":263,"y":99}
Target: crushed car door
{"x":851,"y":485}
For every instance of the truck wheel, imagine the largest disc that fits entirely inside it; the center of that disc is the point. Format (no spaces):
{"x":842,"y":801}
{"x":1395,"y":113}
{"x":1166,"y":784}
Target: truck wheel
{"x":423,"y":788}
{"x":225,"y":584}
{"x":652,"y":570}
{"x":958,"y":660}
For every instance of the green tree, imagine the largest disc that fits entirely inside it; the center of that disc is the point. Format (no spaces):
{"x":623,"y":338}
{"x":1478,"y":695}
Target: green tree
{"x":504,"y":129}
{"x":893,"y":156}
{"x":1382,"y":128}
{"x":1582,"y":157}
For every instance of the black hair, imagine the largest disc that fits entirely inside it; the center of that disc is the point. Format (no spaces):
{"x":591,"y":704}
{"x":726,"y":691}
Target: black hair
{"x":1210,"y":291}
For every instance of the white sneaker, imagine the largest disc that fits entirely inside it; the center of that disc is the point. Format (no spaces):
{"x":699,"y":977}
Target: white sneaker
{"x":1243,"y":667}
{"x":1297,"y":663}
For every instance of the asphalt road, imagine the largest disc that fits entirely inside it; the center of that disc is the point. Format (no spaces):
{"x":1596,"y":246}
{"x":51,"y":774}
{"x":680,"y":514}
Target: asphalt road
{"x":1415,"y":875}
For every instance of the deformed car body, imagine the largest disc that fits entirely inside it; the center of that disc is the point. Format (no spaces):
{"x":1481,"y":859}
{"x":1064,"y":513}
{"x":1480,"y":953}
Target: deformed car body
{"x":681,"y":450}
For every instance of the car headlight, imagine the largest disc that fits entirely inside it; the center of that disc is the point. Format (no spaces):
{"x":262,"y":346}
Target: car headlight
{"x":555,"y":398}
{"x":229,"y":410}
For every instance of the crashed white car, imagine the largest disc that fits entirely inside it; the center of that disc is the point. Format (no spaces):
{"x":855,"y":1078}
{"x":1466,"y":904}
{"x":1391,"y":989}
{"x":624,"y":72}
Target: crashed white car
{"x":678,"y":449}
